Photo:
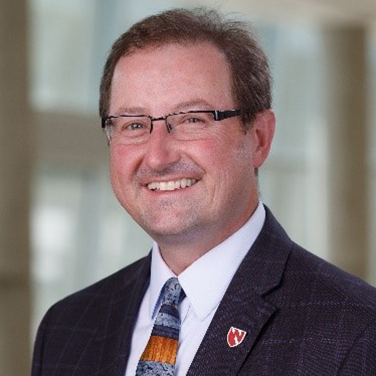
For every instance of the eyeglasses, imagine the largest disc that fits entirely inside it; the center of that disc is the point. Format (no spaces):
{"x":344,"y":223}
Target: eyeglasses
{"x":190,"y":125}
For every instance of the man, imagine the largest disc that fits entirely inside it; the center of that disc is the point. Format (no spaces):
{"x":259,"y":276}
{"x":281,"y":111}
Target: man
{"x":186,"y":105}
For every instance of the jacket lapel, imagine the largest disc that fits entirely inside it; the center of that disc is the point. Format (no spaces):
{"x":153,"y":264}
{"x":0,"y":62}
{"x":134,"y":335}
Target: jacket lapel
{"x":115,"y":334}
{"x":244,"y":305}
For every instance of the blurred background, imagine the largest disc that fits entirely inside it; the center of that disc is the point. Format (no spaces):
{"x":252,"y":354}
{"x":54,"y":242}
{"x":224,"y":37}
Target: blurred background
{"x":60,"y":225}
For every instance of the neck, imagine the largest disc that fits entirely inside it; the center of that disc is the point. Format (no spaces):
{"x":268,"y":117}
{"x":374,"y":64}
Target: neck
{"x":179,"y":258}
{"x":181,"y":251}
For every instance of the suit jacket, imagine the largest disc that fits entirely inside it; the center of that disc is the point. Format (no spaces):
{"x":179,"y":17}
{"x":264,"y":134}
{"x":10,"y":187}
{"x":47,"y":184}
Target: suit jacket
{"x":302,"y":316}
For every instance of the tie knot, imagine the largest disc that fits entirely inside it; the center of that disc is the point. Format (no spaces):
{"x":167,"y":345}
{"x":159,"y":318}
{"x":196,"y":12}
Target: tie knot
{"x":172,"y":291}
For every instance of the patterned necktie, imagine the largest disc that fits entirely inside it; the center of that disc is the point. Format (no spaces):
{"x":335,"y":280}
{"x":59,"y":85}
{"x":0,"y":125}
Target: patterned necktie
{"x":159,"y":356}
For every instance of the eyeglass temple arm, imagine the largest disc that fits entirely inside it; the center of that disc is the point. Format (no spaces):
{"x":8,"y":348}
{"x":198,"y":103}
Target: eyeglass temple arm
{"x":221,"y":115}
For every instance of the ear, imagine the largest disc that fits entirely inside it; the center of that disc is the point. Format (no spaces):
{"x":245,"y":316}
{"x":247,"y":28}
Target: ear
{"x":262,"y":130}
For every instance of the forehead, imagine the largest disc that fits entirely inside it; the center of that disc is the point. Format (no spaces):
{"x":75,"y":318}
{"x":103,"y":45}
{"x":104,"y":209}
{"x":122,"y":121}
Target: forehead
{"x":162,"y":77}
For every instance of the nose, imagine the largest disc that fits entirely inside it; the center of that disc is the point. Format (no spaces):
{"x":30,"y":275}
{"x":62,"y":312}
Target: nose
{"x":161,"y":149}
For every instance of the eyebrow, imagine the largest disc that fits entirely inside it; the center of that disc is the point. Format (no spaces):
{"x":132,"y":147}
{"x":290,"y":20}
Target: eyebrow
{"x":131,"y":110}
{"x":196,"y":104}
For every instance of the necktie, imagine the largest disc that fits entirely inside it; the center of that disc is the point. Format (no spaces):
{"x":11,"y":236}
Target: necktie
{"x":159,"y":356}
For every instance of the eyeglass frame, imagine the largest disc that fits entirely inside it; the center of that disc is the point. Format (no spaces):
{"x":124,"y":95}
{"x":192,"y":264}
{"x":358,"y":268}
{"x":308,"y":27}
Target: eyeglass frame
{"x":217,"y":116}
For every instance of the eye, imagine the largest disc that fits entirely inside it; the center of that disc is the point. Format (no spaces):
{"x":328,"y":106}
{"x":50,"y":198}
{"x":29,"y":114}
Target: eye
{"x":194,"y":120}
{"x":135,"y":126}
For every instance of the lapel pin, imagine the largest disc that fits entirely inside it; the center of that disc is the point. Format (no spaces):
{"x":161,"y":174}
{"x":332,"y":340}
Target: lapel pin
{"x":235,"y":336}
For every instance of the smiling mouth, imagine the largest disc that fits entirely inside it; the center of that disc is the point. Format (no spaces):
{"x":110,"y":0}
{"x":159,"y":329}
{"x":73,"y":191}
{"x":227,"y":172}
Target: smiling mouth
{"x":171,"y":185}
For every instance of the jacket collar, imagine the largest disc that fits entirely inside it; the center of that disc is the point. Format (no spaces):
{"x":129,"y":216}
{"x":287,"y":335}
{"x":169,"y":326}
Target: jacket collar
{"x":245,"y":305}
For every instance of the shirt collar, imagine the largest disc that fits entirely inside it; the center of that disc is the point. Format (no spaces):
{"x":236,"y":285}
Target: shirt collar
{"x":203,"y":284}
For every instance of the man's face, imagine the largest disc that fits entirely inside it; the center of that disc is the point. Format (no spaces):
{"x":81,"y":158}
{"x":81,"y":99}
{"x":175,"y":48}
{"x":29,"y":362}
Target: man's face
{"x":219,"y":169}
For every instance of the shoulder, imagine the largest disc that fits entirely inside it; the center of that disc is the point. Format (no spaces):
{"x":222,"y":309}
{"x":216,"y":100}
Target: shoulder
{"x":330,"y":312}
{"x":325,"y":318}
{"x":327,"y":284}
{"x":311,"y":282}
{"x":73,"y":331}
{"x":324,"y":304}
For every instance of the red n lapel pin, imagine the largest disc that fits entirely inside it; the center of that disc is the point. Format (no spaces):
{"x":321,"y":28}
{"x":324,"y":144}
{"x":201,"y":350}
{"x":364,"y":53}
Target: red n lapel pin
{"x":235,"y":336}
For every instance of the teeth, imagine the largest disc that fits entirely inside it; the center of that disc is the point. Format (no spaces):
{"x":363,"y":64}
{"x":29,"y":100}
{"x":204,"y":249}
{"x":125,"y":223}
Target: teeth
{"x":171,"y":185}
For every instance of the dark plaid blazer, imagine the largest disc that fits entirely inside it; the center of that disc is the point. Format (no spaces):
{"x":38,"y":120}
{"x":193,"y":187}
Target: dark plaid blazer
{"x":302,"y":316}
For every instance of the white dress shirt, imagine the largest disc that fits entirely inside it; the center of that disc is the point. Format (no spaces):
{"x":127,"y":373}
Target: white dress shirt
{"x":204,"y":283}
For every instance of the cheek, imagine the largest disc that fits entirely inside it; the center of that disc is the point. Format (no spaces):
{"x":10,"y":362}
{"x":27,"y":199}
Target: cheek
{"x":237,"y":167}
{"x":213,"y":149}
{"x":231,"y":152}
{"x":115,"y":162}
{"x":121,"y":160}
{"x":243,"y":156}
{"x":228,"y":165}
{"x":118,"y":167}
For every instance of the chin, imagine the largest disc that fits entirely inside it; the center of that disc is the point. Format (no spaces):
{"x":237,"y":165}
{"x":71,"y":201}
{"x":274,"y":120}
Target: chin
{"x":168,"y":230}
{"x":165,"y":231}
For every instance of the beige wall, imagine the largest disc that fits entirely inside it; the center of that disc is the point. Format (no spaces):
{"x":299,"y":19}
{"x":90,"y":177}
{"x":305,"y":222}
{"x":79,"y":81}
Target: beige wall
{"x":15,"y":175}
{"x":347,"y":134}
